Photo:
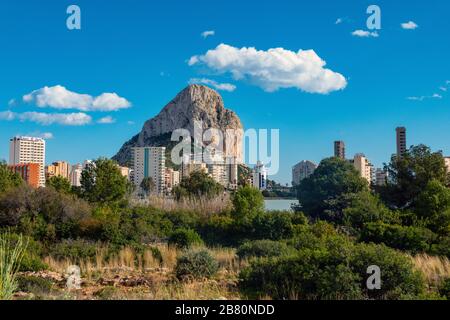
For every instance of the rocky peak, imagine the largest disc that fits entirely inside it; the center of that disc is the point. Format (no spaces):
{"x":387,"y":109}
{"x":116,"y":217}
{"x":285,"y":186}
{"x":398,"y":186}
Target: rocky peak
{"x":194,"y":103}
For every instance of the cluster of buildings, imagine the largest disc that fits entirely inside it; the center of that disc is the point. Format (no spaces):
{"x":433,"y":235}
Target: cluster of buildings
{"x":27,"y":158}
{"x":374,"y":176}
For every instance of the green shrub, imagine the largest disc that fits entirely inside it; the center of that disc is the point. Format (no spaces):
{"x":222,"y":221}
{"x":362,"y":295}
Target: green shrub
{"x":413,"y":239}
{"x":334,"y":269}
{"x":444,"y":288}
{"x":75,"y":250}
{"x":184,"y":238}
{"x":398,"y":275}
{"x":34,"y":285}
{"x":196,"y":264}
{"x":262,"y":248}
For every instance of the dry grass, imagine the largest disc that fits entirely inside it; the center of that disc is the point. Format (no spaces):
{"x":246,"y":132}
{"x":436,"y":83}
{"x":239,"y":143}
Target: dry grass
{"x":159,"y":280}
{"x":202,"y":205}
{"x":435,"y":269}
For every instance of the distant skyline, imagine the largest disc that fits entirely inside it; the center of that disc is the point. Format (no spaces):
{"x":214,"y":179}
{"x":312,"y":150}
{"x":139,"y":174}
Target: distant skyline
{"x":88,"y":91}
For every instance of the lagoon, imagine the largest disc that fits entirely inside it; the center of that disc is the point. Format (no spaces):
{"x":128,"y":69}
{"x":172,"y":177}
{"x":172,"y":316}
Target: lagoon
{"x":279,"y":204}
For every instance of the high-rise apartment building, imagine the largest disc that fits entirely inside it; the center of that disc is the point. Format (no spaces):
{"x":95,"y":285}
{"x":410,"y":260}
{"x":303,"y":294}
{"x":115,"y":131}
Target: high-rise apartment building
{"x":401,"y":140}
{"x":339,"y":149}
{"x":259,"y":180}
{"x":75,"y":173}
{"x":150,"y":162}
{"x":24,"y":150}
{"x":363,"y":166}
{"x":172,"y":179}
{"x":58,"y":169}
{"x":302,"y":170}
{"x":381,"y":177}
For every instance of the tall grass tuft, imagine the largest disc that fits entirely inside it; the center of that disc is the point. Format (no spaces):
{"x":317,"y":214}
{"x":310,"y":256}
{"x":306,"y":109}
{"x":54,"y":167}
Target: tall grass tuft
{"x":11,"y":255}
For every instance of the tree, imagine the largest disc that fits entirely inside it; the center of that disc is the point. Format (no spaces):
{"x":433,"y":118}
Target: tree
{"x":248,"y":202}
{"x":364,"y":207}
{"x":321,"y":194}
{"x":148,"y":185}
{"x":433,"y":207}
{"x":60,"y":184}
{"x":102,"y":182}
{"x":410,"y":174}
{"x":197,"y":184}
{"x":8,"y":179}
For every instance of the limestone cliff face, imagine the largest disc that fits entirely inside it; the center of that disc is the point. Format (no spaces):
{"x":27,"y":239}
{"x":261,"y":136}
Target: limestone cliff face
{"x":196,"y":103}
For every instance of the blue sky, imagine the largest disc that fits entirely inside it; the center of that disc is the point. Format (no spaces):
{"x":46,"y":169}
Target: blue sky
{"x":140,"y":51}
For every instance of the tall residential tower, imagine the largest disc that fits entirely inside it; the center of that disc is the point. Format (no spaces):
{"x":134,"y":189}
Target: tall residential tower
{"x":401,"y":141}
{"x":339,"y":149}
{"x":24,"y":150}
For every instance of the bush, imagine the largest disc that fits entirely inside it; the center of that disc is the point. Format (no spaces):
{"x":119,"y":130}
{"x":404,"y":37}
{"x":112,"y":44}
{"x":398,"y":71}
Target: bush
{"x":273,"y":225}
{"x":75,"y":250}
{"x":185,"y":238}
{"x":247,"y":203}
{"x":335,"y":269}
{"x":444,"y":288}
{"x":398,"y":275}
{"x":413,"y":239}
{"x":262,"y":248}
{"x":196,"y":264}
{"x":34,"y":285}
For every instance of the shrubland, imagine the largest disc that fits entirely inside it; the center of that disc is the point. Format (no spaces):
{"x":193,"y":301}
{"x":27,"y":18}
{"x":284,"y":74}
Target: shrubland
{"x":237,"y":249}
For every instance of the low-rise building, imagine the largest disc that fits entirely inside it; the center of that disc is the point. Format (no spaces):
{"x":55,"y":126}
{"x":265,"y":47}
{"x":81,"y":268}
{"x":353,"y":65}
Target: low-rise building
{"x":29,"y":172}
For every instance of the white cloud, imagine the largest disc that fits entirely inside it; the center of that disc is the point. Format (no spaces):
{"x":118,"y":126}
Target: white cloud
{"x":69,"y":119}
{"x":410,"y":25}
{"x":339,"y":21}
{"x":47,"y":135}
{"x":59,"y":97}
{"x":216,"y":85}
{"x":365,"y":34}
{"x":130,"y":123}
{"x":208,"y":33}
{"x":106,"y":120}
{"x":7,"y":115}
{"x":443,"y":89}
{"x":273,"y":69}
{"x":421,"y":98}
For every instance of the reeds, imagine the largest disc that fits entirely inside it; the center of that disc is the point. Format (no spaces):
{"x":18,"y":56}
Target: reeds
{"x":11,"y":255}
{"x":434,"y":269}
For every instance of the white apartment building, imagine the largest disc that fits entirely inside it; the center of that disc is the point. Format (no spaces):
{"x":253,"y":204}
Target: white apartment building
{"x":259,"y":180}
{"x":28,"y":150}
{"x":302,"y":170}
{"x":172,"y":179}
{"x":364,"y":167}
{"x":75,"y":173}
{"x":150,"y":162}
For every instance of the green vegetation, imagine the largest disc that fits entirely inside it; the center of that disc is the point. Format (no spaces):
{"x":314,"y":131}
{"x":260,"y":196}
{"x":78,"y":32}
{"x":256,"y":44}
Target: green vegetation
{"x":148,"y":185}
{"x":198,"y":184}
{"x":10,"y":257}
{"x":321,"y":251}
{"x":185,"y":238}
{"x":60,"y":184}
{"x":8,"y":180}
{"x":196,"y":264}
